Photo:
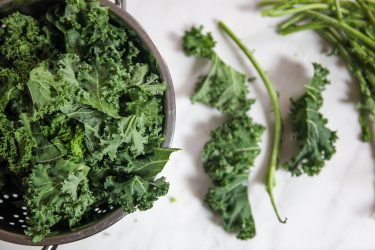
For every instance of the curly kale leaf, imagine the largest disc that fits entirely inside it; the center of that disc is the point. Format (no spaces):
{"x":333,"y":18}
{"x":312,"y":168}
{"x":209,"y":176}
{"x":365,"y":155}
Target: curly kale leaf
{"x":43,"y":90}
{"x":17,"y":145}
{"x":86,"y":29}
{"x":232,"y":149}
{"x":23,"y":43}
{"x":223,"y":87}
{"x":10,"y":86}
{"x":227,"y":159}
{"x":56,"y":192}
{"x":196,"y":43}
{"x":132,"y":183}
{"x":315,"y":140}
{"x":230,"y":201}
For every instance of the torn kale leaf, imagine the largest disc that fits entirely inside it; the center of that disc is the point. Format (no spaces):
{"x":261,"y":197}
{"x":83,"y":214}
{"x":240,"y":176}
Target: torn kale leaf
{"x":223,"y":87}
{"x":316,"y":141}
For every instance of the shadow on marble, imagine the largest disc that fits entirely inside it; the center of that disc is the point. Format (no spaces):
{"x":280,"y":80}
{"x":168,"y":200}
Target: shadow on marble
{"x":176,"y":39}
{"x":200,"y":66}
{"x":193,"y":146}
{"x":186,"y":89}
{"x":249,"y":6}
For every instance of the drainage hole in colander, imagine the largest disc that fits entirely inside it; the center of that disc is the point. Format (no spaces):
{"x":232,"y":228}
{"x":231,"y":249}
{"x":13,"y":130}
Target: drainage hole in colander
{"x":6,"y":196}
{"x":16,"y":216}
{"x":1,"y":218}
{"x":21,"y":221}
{"x":12,"y":223}
{"x":1,"y":201}
{"x":23,"y":208}
{"x":24,"y":213}
{"x":15,"y":195}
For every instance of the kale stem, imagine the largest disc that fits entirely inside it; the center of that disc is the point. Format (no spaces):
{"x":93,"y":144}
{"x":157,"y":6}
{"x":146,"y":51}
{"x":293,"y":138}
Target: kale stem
{"x":276,"y":12}
{"x":354,"y":32}
{"x":278,"y":122}
{"x":292,"y":21}
{"x":338,"y":9}
{"x":308,"y":26}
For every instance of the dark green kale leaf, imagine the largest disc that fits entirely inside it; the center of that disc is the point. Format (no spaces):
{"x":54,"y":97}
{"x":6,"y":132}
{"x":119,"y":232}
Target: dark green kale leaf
{"x":196,"y":43}
{"x":227,"y":159}
{"x":86,"y":29}
{"x":315,"y":140}
{"x":43,"y":90}
{"x":17,"y":145}
{"x":223,"y":87}
{"x":56,"y":192}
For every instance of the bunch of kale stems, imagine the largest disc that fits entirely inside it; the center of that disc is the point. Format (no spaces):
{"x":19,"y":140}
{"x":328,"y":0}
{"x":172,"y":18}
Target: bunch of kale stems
{"x":349,"y":27}
{"x":81,"y":117}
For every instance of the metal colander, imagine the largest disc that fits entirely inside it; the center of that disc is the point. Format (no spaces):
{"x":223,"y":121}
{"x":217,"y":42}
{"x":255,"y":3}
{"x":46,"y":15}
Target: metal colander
{"x":13,"y":212}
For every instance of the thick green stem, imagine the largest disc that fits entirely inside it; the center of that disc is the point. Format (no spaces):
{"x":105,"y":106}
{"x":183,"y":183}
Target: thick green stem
{"x":282,"y":12}
{"x":293,"y":20}
{"x":352,"y":31}
{"x":338,"y":10}
{"x":278,"y":122}
{"x":308,"y":26}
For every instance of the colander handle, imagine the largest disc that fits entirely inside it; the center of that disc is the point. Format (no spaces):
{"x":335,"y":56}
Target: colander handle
{"x":50,"y":247}
{"x":121,"y":3}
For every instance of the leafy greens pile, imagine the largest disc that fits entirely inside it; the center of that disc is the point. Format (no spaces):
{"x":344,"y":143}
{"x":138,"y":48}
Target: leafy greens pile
{"x":233,"y":147}
{"x":349,"y":26}
{"x":81,"y":116}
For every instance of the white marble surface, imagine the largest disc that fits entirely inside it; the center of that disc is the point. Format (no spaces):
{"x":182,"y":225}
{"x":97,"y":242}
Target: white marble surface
{"x":331,"y":211}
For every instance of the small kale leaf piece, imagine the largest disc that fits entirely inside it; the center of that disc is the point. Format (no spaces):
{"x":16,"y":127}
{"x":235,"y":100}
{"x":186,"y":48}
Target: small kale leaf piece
{"x":316,"y":141}
{"x":227,"y":159}
{"x":223,"y":87}
{"x":21,"y":38}
{"x":56,"y":192}
{"x":196,"y":43}
{"x":230,"y":201}
{"x":232,"y":149}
